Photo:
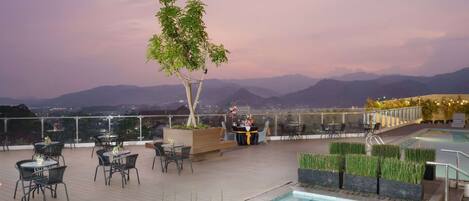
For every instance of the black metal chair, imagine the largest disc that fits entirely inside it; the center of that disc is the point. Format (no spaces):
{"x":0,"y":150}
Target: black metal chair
{"x":185,"y":155}
{"x":25,"y":175}
{"x":50,"y":179}
{"x":97,"y":143}
{"x":324,"y":130}
{"x":103,"y":161}
{"x":159,"y":152}
{"x":124,"y":169}
{"x":377,"y":127}
{"x":342,"y":129}
{"x":54,"y":151}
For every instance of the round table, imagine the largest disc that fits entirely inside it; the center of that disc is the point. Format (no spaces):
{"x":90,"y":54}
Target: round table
{"x":246,"y":135}
{"x":35,"y":165}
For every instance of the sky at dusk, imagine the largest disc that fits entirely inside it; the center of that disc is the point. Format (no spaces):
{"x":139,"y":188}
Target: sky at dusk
{"x":48,"y":48}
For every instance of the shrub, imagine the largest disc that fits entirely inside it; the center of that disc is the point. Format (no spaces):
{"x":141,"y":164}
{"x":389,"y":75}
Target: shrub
{"x":332,"y":163}
{"x":361,"y":165}
{"x":420,"y":155}
{"x":343,"y":148}
{"x":386,"y":151}
{"x":402,"y":171}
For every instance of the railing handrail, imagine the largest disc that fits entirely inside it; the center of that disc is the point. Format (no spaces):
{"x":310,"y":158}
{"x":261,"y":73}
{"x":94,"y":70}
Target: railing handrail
{"x":201,"y":115}
{"x":449,"y":165}
{"x":455,"y":151}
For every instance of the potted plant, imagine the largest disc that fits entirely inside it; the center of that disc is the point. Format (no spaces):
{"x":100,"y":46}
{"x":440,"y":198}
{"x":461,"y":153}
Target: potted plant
{"x":422,"y":155}
{"x":401,"y":179}
{"x":386,"y":151}
{"x":322,"y":170}
{"x":361,"y":173}
{"x":343,"y":148}
{"x":181,"y":50}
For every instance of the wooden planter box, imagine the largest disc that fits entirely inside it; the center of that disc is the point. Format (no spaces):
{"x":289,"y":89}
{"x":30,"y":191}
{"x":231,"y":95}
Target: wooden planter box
{"x":205,"y":143}
{"x":400,"y":190}
{"x":360,"y":183}
{"x":320,"y":178}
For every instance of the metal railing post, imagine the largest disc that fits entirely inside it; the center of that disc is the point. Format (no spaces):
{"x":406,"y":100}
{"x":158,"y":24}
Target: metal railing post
{"x":457,"y":165}
{"x":343,"y":117}
{"x":140,"y":128}
{"x":109,"y":124}
{"x":170,"y":118}
{"x":275,"y":125}
{"x":5,"y":125}
{"x":76,"y":129}
{"x":42,"y":128}
{"x":198,"y":119}
{"x":446,"y":182}
{"x":322,"y":118}
{"x":224,"y":117}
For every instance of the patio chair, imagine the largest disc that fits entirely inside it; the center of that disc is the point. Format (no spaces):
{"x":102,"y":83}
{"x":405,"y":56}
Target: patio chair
{"x":103,"y":161}
{"x":5,"y":142}
{"x":25,"y":175}
{"x":185,"y":155}
{"x":228,"y":135}
{"x":459,"y":120}
{"x":125,"y":168}
{"x":54,"y":151}
{"x":97,"y":143}
{"x":262,"y":135}
{"x":324,"y":130}
{"x":53,"y":177}
{"x":159,"y":152}
{"x":342,"y":130}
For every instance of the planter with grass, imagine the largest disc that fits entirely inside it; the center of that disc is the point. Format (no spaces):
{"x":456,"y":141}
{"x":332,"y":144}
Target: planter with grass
{"x":386,"y":151}
{"x":343,"y":148}
{"x":401,"y":179}
{"x":361,"y":173}
{"x":422,"y":156}
{"x":322,"y":170}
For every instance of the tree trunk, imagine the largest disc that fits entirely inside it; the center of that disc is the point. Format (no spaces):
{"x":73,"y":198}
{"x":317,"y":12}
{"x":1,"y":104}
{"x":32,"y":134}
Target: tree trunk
{"x":191,"y":120}
{"x":197,"y":97}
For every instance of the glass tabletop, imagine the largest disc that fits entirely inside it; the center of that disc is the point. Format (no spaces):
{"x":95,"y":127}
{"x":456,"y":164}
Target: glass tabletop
{"x":36,"y":164}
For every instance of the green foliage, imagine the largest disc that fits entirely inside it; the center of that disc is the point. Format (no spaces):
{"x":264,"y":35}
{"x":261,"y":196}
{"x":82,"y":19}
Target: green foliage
{"x":420,"y":155}
{"x":183,"y":42}
{"x":333,"y":163}
{"x":343,"y":148}
{"x":402,"y":171}
{"x":190,"y":127}
{"x":361,"y":165}
{"x":386,"y":151}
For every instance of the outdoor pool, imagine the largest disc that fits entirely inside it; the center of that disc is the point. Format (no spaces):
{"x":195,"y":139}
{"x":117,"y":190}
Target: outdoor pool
{"x":304,"y":196}
{"x":443,"y":139}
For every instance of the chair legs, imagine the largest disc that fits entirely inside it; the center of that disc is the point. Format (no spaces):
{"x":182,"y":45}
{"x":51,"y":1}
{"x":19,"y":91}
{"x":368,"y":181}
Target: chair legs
{"x":92,"y":151}
{"x":16,"y":188}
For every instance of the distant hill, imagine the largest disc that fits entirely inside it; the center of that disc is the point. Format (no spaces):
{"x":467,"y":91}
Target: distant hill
{"x":356,"y":76}
{"x":266,"y":92}
{"x":335,"y":93}
{"x":280,"y":85}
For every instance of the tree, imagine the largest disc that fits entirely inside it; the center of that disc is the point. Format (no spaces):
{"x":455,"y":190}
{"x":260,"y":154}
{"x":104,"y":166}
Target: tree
{"x":184,"y":46}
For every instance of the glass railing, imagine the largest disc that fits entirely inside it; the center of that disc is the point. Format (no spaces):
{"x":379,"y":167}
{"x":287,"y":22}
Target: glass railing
{"x":27,"y":130}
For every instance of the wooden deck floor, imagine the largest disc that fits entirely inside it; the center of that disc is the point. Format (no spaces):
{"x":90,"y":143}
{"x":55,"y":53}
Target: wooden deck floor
{"x":238,"y":174}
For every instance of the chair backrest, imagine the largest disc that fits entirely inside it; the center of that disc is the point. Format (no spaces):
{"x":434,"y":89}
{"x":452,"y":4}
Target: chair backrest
{"x":323,"y":128}
{"x":97,"y":141}
{"x":342,"y":127}
{"x":56,"y":174}
{"x":25,"y":173}
{"x":131,"y":160}
{"x":54,"y":149}
{"x":38,"y":148}
{"x":103,"y":160}
{"x":186,"y":151}
{"x":159,"y":150}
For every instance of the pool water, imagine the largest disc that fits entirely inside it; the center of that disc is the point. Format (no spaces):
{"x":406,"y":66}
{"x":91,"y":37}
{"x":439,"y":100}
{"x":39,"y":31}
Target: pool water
{"x":443,"y":139}
{"x":304,"y":196}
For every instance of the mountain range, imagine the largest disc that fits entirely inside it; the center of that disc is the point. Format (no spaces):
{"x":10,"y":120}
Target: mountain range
{"x":283,"y":91}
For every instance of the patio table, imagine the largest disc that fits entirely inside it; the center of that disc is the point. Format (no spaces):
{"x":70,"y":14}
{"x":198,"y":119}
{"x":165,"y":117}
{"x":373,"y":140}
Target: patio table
{"x":37,"y":166}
